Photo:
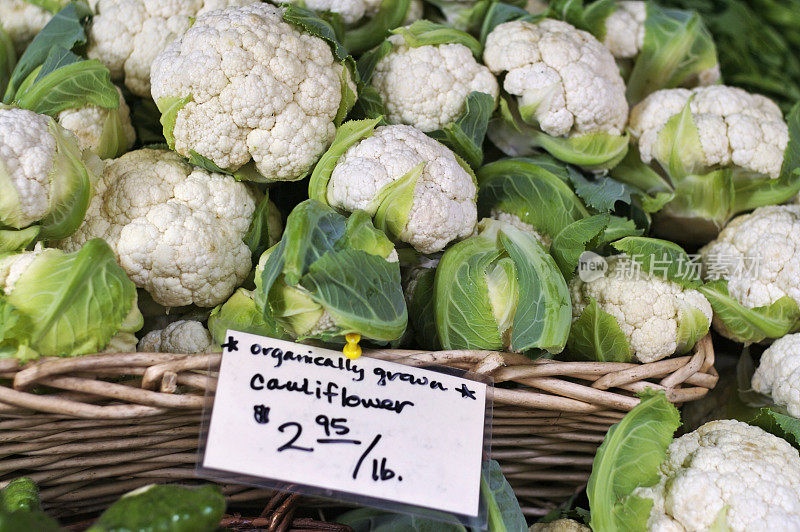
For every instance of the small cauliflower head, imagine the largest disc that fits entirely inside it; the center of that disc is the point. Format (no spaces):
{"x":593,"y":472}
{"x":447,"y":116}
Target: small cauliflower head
{"x":176,"y":229}
{"x":729,"y":472}
{"x":566,"y":81}
{"x":415,"y":187}
{"x":106,"y":132}
{"x":44,"y":181}
{"x":624,"y":29}
{"x":242,"y":84}
{"x":778,"y":373}
{"x":534,"y":7}
{"x":560,"y":525}
{"x":22,"y":20}
{"x":354,"y":11}
{"x":182,"y":336}
{"x":444,"y":76}
{"x":351,"y":11}
{"x":98,"y":314}
{"x":735,"y":128}
{"x":127,"y":35}
{"x":656,"y":315}
{"x":759,"y":255}
{"x":516,"y":221}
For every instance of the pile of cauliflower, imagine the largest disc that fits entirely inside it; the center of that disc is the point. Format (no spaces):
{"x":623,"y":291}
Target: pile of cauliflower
{"x":633,"y":217}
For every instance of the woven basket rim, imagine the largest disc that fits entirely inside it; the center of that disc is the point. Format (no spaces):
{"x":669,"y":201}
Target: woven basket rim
{"x":162,"y":383}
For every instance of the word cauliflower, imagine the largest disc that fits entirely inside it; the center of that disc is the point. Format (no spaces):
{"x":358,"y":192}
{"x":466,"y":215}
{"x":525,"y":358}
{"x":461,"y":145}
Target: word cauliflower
{"x":176,"y":229}
{"x":243,"y":84}
{"x":729,"y":474}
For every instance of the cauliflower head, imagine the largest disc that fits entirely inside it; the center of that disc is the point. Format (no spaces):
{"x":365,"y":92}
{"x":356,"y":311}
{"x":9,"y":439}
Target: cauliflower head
{"x":351,"y":11}
{"x":535,"y":7}
{"x":249,"y":86}
{"x":98,"y":130}
{"x":624,"y":30}
{"x":759,"y":255}
{"x":445,"y":75}
{"x":735,"y":128}
{"x":182,"y":336}
{"x":516,"y":221}
{"x":46,"y":184}
{"x":731,"y":469}
{"x":354,"y":11}
{"x":399,"y":163}
{"x":176,"y":229}
{"x":22,"y":20}
{"x":127,"y":35}
{"x":560,"y":525}
{"x":564,"y":76}
{"x":778,"y":373}
{"x":13,"y":266}
{"x":651,"y":311}
{"x":99,"y":313}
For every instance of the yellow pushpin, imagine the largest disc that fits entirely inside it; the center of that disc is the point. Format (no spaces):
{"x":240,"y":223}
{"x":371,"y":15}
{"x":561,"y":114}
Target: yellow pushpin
{"x":352,"y":350}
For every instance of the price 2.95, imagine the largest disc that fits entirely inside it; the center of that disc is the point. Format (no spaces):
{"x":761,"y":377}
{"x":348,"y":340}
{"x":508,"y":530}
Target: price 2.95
{"x":331,"y":432}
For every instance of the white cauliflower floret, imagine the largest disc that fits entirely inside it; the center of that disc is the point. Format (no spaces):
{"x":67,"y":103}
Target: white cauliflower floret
{"x":515,"y":220}
{"x":260,"y":89}
{"x":566,"y":74}
{"x":13,"y":266}
{"x":27,"y":154}
{"x":127,"y":35}
{"x":150,"y":342}
{"x":778,"y":373}
{"x":323,"y":325}
{"x":176,"y":229}
{"x":443,"y":206}
{"x":536,"y":6}
{"x":445,"y":75}
{"x":624,"y":32}
{"x":89,"y":124}
{"x":648,"y":309}
{"x":727,"y":466}
{"x":735,"y":127}
{"x":759,"y":255}
{"x":182,"y":336}
{"x":560,"y":525}
{"x":353,"y":11}
{"x":22,"y":20}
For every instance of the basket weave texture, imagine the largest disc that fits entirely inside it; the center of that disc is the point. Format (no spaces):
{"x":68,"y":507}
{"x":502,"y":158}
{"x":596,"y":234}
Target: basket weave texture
{"x":88,"y":429}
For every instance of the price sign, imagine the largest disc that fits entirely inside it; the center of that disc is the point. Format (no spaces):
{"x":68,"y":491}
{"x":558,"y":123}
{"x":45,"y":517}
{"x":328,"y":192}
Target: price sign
{"x":350,"y":429}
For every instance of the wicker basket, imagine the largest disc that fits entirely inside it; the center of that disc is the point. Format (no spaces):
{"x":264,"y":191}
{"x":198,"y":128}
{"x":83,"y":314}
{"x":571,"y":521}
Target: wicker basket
{"x":88,"y":429}
{"x":278,"y":515}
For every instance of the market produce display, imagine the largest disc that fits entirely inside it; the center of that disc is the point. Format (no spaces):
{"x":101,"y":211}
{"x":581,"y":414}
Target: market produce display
{"x":607,"y":182}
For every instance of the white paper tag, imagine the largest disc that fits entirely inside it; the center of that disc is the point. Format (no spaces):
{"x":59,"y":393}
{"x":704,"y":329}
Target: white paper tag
{"x":309,"y":416}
